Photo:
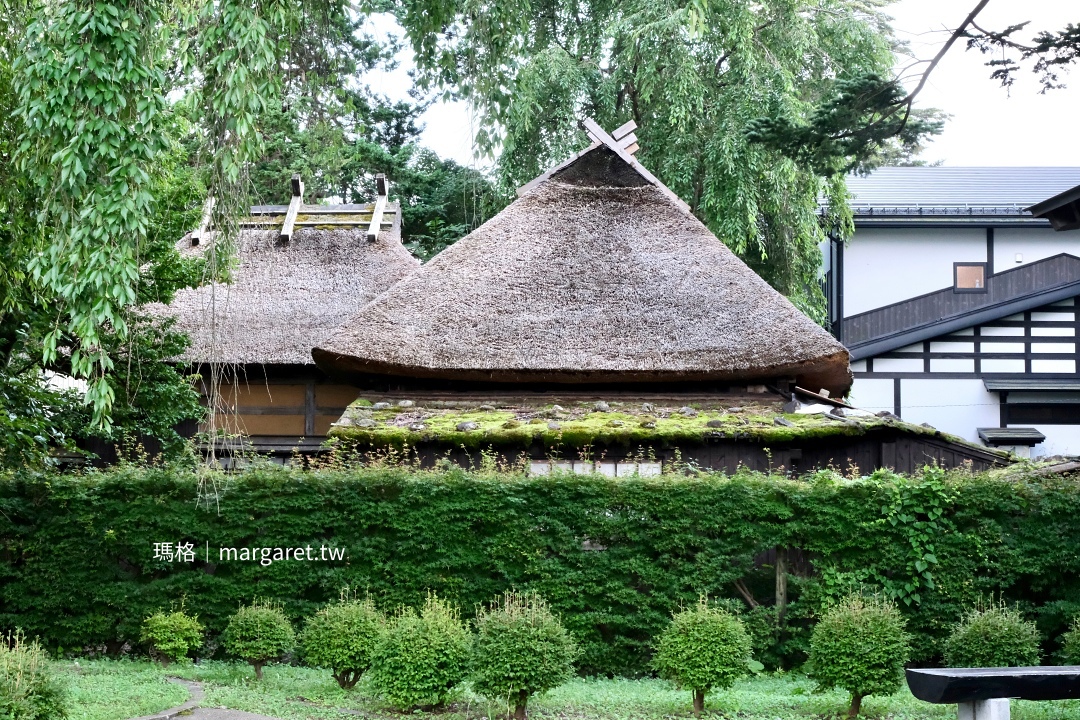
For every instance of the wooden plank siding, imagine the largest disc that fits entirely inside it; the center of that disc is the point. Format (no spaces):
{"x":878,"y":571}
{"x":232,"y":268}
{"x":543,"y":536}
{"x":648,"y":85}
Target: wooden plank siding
{"x":271,"y":403}
{"x":883,"y":447}
{"x":1044,"y":275}
{"x":1043,"y":342}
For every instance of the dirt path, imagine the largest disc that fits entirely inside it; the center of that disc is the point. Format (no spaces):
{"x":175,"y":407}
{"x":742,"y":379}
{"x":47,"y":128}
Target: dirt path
{"x":190,"y":710}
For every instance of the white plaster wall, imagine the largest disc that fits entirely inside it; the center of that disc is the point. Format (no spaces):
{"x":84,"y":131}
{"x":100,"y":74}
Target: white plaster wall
{"x":913,"y":365}
{"x":1034,"y":244}
{"x":873,"y":394}
{"x":883,"y":266}
{"x":1060,"y":440}
{"x":954,"y":406}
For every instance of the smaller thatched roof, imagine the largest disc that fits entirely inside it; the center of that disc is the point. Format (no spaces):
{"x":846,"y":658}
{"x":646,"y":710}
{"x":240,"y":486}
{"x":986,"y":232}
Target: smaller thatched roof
{"x":597,"y":274}
{"x":286,"y":295}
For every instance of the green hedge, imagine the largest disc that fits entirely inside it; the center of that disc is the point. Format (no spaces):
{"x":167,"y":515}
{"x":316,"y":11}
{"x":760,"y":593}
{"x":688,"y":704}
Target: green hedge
{"x":614,"y":557}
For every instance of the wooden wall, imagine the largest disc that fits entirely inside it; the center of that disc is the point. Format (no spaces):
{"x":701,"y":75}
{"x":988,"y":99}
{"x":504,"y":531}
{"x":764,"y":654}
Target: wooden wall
{"x":279,"y":402}
{"x":881,"y":448}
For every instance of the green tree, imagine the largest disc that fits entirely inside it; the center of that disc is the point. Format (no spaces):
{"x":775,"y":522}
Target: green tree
{"x":39,"y":321}
{"x":87,"y":128}
{"x":259,"y":633}
{"x":421,"y":657}
{"x":995,"y":636}
{"x":151,"y":397}
{"x":520,"y":649}
{"x":89,"y":140}
{"x":341,"y":637}
{"x":691,"y":74}
{"x":703,"y":648}
{"x":859,"y":645}
{"x":32,"y":417}
{"x":442,"y":202}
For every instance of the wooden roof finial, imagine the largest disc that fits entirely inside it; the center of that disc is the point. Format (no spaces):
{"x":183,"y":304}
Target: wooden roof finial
{"x":382,"y":186}
{"x":204,"y":223}
{"x":294,"y":208}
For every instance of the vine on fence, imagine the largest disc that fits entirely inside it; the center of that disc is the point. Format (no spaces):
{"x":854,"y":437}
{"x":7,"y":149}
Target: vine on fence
{"x":916,"y":510}
{"x":613,"y":556}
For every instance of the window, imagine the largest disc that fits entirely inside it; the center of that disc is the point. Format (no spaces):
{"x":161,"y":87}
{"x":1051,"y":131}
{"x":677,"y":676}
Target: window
{"x":1050,"y":414}
{"x":969,"y":277}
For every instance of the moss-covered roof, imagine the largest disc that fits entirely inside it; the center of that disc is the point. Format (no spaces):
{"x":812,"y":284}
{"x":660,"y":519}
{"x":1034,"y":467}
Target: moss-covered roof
{"x":385,"y":422}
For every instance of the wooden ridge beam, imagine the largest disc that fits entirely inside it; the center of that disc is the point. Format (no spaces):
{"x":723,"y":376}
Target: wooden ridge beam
{"x":358,"y":222}
{"x":629,"y":143}
{"x":321,"y":210}
{"x":343,"y":223}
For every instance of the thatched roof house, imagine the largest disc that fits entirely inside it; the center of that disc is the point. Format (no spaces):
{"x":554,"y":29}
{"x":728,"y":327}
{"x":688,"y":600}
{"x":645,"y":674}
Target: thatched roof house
{"x":300,"y":271}
{"x":286,"y":296}
{"x":595,"y":322}
{"x":596,"y":275}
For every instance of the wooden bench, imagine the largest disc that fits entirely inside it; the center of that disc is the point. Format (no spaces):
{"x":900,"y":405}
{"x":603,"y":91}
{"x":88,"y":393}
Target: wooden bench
{"x":984,"y":693}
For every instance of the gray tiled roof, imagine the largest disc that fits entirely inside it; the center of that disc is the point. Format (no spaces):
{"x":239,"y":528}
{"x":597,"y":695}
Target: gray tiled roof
{"x":957,"y":190}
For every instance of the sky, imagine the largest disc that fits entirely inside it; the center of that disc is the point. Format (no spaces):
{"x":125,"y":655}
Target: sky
{"x":989,"y":125}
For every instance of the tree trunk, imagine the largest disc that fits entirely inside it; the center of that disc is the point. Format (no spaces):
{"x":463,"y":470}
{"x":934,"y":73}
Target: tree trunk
{"x":781,"y":582}
{"x":856,"y":705}
{"x":519,"y":707}
{"x":258,"y":670}
{"x":699,"y":702}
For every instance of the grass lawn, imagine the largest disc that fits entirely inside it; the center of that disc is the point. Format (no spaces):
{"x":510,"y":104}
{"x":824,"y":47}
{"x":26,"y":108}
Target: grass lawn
{"x":114,"y":690}
{"x":107,"y":690}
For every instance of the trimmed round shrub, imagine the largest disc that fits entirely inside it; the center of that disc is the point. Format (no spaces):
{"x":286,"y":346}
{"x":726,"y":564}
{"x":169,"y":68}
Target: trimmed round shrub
{"x":171,"y":636}
{"x":520,"y":649}
{"x":703,"y":648}
{"x":29,"y":690}
{"x":341,"y":637}
{"x":1070,"y":643}
{"x":860,"y":646}
{"x":997,"y":636}
{"x":421,"y":657}
{"x":259,"y":633}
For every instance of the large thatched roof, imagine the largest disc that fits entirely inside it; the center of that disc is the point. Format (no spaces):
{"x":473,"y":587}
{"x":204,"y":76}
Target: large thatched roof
{"x":287,"y":295}
{"x":597,"y":274}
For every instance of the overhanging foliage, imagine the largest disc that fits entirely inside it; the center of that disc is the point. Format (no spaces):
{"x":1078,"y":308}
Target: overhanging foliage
{"x":691,"y":74}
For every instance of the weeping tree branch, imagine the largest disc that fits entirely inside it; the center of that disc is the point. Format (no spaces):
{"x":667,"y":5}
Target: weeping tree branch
{"x":866,"y":118}
{"x":959,"y":32}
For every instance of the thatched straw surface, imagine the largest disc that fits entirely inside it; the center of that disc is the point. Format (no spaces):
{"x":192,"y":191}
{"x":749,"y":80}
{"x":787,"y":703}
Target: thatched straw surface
{"x":590,"y":277}
{"x":285,"y":297}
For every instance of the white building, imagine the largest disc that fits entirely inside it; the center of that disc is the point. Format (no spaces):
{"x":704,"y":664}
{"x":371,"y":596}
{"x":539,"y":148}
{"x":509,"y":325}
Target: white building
{"x":961,"y":309}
